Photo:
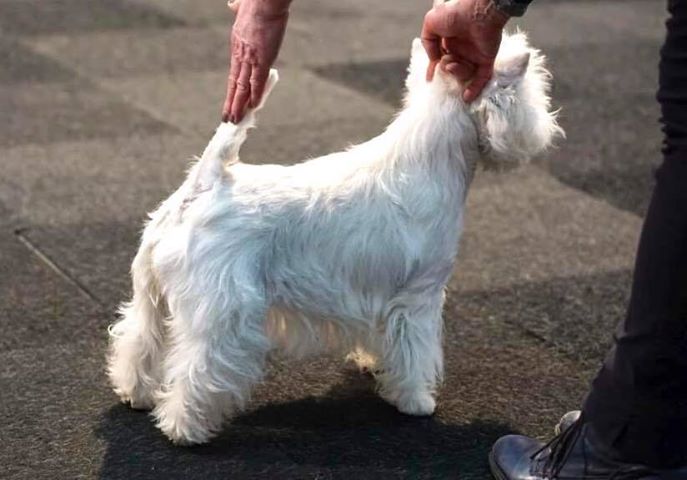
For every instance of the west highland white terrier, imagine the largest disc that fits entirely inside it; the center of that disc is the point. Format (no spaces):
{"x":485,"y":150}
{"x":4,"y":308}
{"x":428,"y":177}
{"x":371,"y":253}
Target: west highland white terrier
{"x":350,"y":251}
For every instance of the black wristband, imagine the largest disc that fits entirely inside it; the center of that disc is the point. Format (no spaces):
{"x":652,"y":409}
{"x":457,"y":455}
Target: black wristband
{"x":512,"y":8}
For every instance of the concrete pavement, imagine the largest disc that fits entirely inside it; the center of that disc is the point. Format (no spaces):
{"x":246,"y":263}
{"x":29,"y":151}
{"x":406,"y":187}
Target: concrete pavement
{"x":101,"y":105}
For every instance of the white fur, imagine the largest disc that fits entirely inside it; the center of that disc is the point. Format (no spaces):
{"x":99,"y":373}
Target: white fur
{"x":350,"y":251}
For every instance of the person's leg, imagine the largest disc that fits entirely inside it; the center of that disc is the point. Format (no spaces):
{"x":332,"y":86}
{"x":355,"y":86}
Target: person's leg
{"x":634,"y":421}
{"x":638,"y":402}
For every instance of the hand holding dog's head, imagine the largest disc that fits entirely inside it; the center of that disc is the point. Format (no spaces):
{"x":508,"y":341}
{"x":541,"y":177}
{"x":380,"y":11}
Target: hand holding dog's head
{"x":512,"y":114}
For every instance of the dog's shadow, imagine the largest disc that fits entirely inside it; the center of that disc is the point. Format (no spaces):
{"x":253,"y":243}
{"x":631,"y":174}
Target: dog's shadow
{"x":349,"y":432}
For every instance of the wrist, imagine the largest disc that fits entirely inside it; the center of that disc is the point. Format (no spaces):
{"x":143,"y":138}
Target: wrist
{"x":488,"y":12}
{"x":512,"y":8}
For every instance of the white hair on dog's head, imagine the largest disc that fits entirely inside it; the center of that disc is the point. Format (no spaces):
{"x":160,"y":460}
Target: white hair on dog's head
{"x":514,"y":111}
{"x":512,"y":114}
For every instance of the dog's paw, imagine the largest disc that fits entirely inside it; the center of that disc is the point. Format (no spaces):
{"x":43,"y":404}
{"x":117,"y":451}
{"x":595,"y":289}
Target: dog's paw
{"x":365,"y":362}
{"x":139,"y":403}
{"x":181,"y":426}
{"x":419,"y":404}
{"x":136,"y":399}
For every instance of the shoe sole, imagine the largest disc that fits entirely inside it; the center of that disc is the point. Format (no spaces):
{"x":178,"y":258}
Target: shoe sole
{"x":496,"y":471}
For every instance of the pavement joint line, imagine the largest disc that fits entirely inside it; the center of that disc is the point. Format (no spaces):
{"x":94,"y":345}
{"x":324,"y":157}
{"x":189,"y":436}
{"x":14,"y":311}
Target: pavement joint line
{"x":20,"y":233}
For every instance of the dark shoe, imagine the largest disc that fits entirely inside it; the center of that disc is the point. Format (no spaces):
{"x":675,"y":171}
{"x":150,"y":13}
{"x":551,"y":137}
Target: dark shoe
{"x":572,"y":455}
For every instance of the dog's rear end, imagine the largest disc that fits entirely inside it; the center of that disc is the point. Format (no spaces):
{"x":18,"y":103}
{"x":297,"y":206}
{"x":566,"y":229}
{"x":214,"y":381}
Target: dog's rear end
{"x":138,"y":344}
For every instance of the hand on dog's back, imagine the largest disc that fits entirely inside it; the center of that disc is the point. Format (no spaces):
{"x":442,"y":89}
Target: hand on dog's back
{"x":255,"y":42}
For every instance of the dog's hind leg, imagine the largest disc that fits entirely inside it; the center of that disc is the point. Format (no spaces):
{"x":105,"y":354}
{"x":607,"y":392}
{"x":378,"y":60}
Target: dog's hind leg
{"x":136,"y":339}
{"x":218,"y":353}
{"x":412,"y":360}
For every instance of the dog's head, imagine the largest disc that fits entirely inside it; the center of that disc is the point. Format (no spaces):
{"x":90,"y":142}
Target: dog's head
{"x":512,"y":115}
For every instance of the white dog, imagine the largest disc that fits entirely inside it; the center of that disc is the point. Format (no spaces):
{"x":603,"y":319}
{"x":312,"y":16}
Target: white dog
{"x":350,"y":251}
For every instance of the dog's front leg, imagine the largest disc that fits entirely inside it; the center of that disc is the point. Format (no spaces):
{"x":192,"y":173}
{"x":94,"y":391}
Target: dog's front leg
{"x":412,"y":360}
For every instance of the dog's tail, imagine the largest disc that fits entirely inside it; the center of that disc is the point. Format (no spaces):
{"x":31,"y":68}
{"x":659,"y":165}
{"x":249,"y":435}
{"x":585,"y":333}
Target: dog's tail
{"x":224,"y":147}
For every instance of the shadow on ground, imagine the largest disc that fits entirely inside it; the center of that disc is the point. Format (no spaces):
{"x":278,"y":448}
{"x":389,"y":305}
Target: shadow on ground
{"x":348,"y":432}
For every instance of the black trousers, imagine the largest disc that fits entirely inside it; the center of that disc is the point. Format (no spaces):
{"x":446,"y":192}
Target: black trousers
{"x":638,"y":402}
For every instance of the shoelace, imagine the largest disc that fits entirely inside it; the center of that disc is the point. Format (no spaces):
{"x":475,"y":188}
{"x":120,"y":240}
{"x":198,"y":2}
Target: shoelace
{"x":559,"y":450}
{"x":560,"y":447}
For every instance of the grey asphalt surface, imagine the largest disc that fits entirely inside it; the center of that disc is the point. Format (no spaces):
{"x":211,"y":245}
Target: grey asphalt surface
{"x":103,"y":103}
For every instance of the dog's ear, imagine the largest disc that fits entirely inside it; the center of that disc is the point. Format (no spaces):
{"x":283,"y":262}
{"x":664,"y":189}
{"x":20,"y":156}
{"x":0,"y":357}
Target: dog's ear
{"x":509,"y":70}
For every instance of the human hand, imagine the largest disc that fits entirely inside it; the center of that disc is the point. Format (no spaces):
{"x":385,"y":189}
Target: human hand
{"x":255,"y":41}
{"x":469,"y":31}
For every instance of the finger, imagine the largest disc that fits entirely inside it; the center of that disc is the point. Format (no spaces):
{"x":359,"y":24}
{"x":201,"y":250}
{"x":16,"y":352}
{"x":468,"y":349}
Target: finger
{"x":479,"y":81}
{"x":240,"y":102}
{"x":432,"y":46}
{"x":258,"y":80}
{"x":234,"y":5}
{"x":234,"y":71}
{"x":227,"y":104}
{"x":431,"y":42}
{"x":444,"y":47}
{"x":462,"y":71}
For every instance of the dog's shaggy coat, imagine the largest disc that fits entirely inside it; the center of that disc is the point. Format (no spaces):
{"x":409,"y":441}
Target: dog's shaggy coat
{"x":350,"y":251}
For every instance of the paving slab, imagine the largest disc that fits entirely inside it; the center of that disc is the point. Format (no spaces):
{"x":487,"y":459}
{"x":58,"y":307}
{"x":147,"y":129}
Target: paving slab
{"x":30,"y":17}
{"x":560,"y":23}
{"x":575,"y":315}
{"x":306,"y":140}
{"x":383,"y":79}
{"x":115,"y":179}
{"x":118,"y":54}
{"x":338,"y":40}
{"x":639,"y":18}
{"x":311,"y":418}
{"x":37,"y":307}
{"x":613,"y":141}
{"x":191,"y":12}
{"x":526,"y":226}
{"x":68,"y":424}
{"x":611,"y":151}
{"x":300,"y":98}
{"x":44,"y":113}
{"x":23,"y":65}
